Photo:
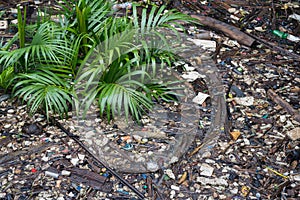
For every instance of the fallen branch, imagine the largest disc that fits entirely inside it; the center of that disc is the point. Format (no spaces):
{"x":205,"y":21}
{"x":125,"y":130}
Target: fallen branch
{"x":277,"y":99}
{"x":227,"y":29}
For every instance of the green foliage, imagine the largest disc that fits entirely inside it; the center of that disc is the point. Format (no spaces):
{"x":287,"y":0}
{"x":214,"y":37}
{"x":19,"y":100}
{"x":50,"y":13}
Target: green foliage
{"x":163,"y":91}
{"x":90,"y":18}
{"x":6,"y":77}
{"x":21,"y":27}
{"x":44,"y":89}
{"x":89,"y":57}
{"x":46,"y":47}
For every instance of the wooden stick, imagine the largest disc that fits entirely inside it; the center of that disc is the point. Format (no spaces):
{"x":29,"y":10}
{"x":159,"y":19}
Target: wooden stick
{"x":227,"y":29}
{"x":277,"y":99}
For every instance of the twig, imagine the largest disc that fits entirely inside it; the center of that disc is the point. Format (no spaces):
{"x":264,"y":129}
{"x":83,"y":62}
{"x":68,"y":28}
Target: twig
{"x":277,"y":99}
{"x":75,"y":138}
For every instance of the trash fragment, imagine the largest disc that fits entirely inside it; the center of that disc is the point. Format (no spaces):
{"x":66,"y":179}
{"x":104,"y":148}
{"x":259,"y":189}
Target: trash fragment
{"x":238,"y":92}
{"x":35,"y":129}
{"x":206,"y":170}
{"x":174,"y":187}
{"x":245,"y":101}
{"x":276,"y":172}
{"x":192,"y":76}
{"x":52,"y":174}
{"x":235,"y":134}
{"x":206,"y":44}
{"x":170,"y":173}
{"x":196,"y":150}
{"x":3,"y":24}
{"x":126,"y":5}
{"x":127,"y":146}
{"x":212,"y":181}
{"x":182,"y":178}
{"x":74,"y":161}
{"x":65,"y":173}
{"x":286,"y":36}
{"x":294,"y":134}
{"x":90,"y":178}
{"x":81,"y":156}
{"x":294,"y":16}
{"x":200,"y":98}
{"x":245,"y":190}
{"x":33,"y":170}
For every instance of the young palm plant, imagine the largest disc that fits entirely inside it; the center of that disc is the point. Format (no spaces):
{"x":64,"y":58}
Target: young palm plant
{"x":43,"y":67}
{"x":91,"y":56}
{"x":119,"y":82}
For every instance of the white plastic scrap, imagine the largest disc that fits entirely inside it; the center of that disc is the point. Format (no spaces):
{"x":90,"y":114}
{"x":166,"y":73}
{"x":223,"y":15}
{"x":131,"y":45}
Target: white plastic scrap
{"x":295,"y":16}
{"x":188,"y":68}
{"x":81,"y":156}
{"x":207,"y":44}
{"x":74,"y":161}
{"x":212,"y":181}
{"x":126,"y":5}
{"x":200,"y":98}
{"x":3,"y":24}
{"x":246,"y":101}
{"x":191,"y":76}
{"x":174,"y":187}
{"x":206,"y":170}
{"x":170,"y":173}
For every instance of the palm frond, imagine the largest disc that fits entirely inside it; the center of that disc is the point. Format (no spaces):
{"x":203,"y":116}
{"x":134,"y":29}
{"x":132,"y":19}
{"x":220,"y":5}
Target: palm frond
{"x":46,"y":46}
{"x":114,"y":97}
{"x":6,"y":77}
{"x":44,"y":90}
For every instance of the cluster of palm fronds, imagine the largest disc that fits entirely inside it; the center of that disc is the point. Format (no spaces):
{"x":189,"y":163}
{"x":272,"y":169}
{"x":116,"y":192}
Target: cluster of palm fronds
{"x":88,"y":56}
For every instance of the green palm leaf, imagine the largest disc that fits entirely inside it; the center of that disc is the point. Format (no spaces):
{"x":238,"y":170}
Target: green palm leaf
{"x":46,"y":46}
{"x":44,"y":89}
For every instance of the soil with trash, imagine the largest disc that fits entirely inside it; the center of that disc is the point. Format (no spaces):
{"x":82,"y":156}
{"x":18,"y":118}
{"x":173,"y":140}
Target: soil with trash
{"x":254,"y":47}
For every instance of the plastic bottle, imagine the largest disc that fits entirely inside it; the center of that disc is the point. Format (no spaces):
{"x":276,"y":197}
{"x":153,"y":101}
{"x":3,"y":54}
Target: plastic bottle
{"x":287,"y":36}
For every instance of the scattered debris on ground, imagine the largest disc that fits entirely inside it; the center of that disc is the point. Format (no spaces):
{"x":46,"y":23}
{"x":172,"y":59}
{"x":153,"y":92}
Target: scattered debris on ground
{"x":255,"y":46}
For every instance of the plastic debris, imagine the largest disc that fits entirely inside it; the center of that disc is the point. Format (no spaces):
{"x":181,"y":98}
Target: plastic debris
{"x":52,"y":174}
{"x":33,"y":170}
{"x":235,"y":134}
{"x":74,"y":161}
{"x":276,"y":172}
{"x":294,"y":134}
{"x":191,"y":76}
{"x":206,"y":44}
{"x":287,"y":36}
{"x":245,"y":190}
{"x":200,"y":98}
{"x":3,"y":24}
{"x":170,"y":173}
{"x":245,"y":101}
{"x":174,"y":187}
{"x":182,"y":178}
{"x":126,"y":5}
{"x":127,"y":146}
{"x":65,"y":173}
{"x":81,"y":156}
{"x":212,"y":181}
{"x":294,"y":16}
{"x":206,"y":170}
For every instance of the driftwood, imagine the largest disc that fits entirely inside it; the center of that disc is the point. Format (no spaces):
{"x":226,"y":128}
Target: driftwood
{"x":227,"y":29}
{"x":277,"y":99}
